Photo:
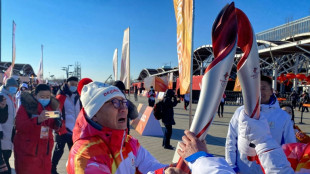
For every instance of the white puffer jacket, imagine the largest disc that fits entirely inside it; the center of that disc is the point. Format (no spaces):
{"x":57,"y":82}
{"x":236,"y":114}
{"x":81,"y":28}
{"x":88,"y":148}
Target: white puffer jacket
{"x":7,"y":127}
{"x":281,"y":129}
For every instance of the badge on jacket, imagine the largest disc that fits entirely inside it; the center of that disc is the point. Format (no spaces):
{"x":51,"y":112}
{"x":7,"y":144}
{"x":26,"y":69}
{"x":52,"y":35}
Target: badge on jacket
{"x":44,"y":132}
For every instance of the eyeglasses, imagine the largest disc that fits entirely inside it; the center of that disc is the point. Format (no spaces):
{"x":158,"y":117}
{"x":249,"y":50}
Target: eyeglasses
{"x":118,"y":103}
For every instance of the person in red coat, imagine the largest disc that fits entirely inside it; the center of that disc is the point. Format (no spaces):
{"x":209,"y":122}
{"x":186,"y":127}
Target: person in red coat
{"x":33,"y":142}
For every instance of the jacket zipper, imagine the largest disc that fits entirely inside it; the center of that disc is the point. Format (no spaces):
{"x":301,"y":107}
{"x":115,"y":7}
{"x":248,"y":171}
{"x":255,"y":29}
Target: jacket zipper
{"x":37,"y":150}
{"x":48,"y":147}
{"x":121,"y":150}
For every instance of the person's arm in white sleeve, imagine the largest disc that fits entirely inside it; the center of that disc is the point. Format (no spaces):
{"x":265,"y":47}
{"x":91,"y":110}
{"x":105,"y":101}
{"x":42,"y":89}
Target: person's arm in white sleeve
{"x":275,"y":161}
{"x":204,"y":163}
{"x":194,"y":151}
{"x":270,"y":153}
{"x":231,"y":142}
{"x":288,"y":132}
{"x":146,"y":162}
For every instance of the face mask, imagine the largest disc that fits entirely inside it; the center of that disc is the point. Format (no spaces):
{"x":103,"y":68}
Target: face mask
{"x":44,"y":102}
{"x":12,"y":90}
{"x":72,"y":88}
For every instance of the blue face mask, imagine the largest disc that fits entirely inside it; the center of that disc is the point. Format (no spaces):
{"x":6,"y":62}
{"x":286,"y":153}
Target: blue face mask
{"x":13,"y":90}
{"x":44,"y":102}
{"x":72,"y":88}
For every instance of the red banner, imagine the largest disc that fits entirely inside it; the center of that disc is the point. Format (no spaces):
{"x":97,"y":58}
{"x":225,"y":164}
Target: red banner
{"x":196,"y":82}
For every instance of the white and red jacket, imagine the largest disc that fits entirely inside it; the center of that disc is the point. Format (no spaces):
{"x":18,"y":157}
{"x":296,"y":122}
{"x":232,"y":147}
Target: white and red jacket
{"x":99,"y":149}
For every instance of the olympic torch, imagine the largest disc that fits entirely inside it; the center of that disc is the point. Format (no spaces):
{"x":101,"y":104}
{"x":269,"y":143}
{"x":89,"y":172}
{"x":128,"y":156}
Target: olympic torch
{"x":248,"y":71}
{"x":214,"y":81}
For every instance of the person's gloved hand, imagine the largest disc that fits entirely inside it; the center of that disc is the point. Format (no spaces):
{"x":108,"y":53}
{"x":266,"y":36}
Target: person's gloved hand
{"x":244,"y":147}
{"x":257,"y":132}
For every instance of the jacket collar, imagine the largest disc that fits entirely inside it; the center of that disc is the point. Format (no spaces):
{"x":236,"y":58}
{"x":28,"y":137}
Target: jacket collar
{"x":86,"y":129}
{"x":265,"y":107}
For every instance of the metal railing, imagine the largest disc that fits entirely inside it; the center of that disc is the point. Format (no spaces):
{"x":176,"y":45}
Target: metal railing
{"x":286,"y":30}
{"x":233,"y":98}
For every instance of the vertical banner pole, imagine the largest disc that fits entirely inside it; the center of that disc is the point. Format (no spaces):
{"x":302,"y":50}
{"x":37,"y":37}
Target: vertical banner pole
{"x":191,"y":71}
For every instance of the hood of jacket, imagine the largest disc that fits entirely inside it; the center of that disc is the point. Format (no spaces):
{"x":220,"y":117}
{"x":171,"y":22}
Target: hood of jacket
{"x":31,"y":103}
{"x":86,"y":129}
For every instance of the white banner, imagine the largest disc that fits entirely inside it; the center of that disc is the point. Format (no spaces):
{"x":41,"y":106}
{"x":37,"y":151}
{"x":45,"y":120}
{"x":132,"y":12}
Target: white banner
{"x":40,"y":71}
{"x":125,"y":64}
{"x":13,"y":50}
{"x":115,"y":64}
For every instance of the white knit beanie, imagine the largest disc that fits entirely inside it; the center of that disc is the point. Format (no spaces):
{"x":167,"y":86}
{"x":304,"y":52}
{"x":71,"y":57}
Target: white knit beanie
{"x":95,"y":94}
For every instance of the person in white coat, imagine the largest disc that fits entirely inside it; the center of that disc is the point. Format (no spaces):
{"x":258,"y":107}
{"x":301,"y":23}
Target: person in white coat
{"x":70,"y":107}
{"x":8,"y":91}
{"x":271,"y":156}
{"x":280,"y":126}
{"x":23,"y":87}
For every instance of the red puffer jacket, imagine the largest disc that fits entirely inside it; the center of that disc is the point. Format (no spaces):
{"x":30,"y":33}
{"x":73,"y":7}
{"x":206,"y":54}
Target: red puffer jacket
{"x":33,"y":154}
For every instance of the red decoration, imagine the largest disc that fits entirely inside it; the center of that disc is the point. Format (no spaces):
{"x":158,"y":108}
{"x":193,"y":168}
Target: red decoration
{"x":290,"y":76}
{"x":308,"y":79}
{"x":281,"y":78}
{"x":301,"y":77}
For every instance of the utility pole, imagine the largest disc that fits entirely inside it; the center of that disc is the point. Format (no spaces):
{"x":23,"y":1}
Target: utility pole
{"x":66,"y":69}
{"x":0,"y":28}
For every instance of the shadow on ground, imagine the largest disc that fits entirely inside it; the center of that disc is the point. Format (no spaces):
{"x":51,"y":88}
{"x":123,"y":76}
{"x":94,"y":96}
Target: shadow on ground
{"x":212,"y":140}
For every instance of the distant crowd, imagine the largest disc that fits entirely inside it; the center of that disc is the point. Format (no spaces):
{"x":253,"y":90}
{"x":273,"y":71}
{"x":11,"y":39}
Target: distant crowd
{"x":92,"y":119}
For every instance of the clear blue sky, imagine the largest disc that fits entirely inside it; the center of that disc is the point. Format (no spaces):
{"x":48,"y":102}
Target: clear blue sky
{"x":88,"y":31}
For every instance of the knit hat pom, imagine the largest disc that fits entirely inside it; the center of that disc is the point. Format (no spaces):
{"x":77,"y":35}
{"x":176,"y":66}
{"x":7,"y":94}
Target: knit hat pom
{"x":82,"y":83}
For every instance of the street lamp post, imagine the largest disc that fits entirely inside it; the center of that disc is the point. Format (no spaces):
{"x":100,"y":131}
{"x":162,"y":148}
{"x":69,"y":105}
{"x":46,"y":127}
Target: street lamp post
{"x":67,"y":70}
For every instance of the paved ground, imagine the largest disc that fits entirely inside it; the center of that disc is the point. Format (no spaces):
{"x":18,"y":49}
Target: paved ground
{"x":216,"y":136}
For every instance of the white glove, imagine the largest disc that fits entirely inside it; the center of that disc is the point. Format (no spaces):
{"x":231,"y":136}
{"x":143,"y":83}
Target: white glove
{"x":257,"y":132}
{"x":244,"y":148}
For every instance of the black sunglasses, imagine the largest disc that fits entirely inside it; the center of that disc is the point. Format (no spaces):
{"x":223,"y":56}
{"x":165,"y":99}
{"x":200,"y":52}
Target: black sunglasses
{"x":118,"y":103}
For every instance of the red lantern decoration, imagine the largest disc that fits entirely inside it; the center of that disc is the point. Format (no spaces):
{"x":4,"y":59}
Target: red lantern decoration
{"x":308,"y":79}
{"x":301,"y":77}
{"x":281,"y":78}
{"x":290,"y":76}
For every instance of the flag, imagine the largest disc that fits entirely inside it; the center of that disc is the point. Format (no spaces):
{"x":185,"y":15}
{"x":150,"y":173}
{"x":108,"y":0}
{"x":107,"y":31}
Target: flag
{"x":9,"y":72}
{"x":125,"y":66}
{"x":40,"y":71}
{"x":6,"y":74}
{"x":170,"y":81}
{"x":184,"y":18}
{"x":237,"y":86}
{"x":115,"y":64}
{"x":13,"y":50}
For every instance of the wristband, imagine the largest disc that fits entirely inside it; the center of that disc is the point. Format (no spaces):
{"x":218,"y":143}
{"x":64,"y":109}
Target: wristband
{"x":197,"y":155}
